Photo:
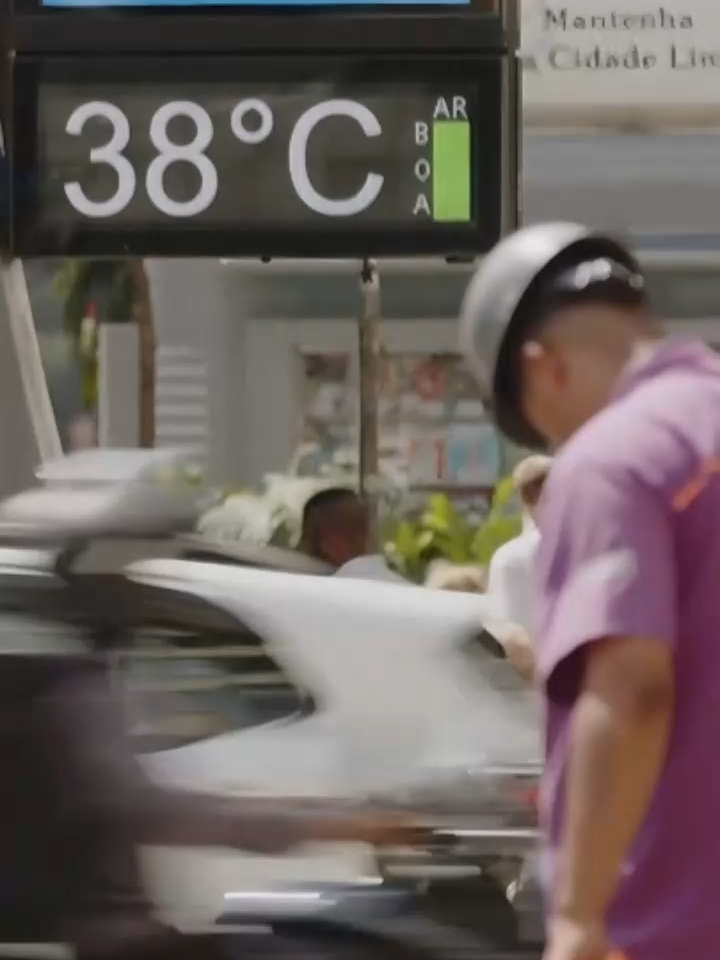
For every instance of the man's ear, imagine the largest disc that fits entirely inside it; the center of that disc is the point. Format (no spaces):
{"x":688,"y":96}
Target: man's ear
{"x":532,"y":350}
{"x":532,"y":354}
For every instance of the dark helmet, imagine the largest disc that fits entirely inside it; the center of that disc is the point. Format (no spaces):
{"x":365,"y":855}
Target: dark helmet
{"x":504,"y":286}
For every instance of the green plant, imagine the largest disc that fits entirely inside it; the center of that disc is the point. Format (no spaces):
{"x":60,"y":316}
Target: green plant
{"x":442,"y":531}
{"x":503,"y":523}
{"x":439,"y":530}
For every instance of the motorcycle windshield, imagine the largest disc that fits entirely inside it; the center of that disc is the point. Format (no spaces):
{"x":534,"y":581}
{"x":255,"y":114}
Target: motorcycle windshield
{"x":400,"y":689}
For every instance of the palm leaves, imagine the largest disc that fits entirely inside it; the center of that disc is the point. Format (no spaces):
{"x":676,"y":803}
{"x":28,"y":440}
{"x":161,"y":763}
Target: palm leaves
{"x":107,"y":283}
{"x":120,"y":293}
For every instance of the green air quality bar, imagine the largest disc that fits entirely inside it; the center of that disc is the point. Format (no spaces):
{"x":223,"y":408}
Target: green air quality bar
{"x":451,"y":174}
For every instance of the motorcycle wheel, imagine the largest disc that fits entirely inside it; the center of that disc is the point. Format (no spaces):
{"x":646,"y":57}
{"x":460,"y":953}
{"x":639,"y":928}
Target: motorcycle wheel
{"x":478,"y":906}
{"x":407,"y":938}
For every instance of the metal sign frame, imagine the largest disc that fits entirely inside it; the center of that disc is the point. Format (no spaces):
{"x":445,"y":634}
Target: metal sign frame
{"x":204,"y":234}
{"x":32,"y":28}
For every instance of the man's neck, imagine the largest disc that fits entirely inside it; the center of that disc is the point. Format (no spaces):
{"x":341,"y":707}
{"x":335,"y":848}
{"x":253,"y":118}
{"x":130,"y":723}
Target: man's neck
{"x":528,"y":523}
{"x":644,"y":348}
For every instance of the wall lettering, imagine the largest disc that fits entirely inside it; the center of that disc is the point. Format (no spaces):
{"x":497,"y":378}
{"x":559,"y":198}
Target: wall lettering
{"x":562,"y":18}
{"x":566,"y":41}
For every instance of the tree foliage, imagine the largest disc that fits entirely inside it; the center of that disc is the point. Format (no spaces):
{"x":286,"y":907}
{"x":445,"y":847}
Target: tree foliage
{"x":119,"y":291}
{"x":110,"y":284}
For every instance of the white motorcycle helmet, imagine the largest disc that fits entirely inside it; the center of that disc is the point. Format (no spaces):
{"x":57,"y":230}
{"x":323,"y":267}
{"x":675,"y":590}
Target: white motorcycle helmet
{"x":513,"y":285}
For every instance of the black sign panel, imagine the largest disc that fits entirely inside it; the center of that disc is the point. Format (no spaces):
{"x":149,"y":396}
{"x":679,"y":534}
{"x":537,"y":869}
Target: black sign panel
{"x":140,"y":8}
{"x":257,"y":157}
{"x":91,"y":27}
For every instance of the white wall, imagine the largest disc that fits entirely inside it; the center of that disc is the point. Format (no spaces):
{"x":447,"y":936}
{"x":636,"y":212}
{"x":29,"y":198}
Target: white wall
{"x":595,"y":60}
{"x":639,"y":185}
{"x":193,"y":321}
{"x":28,"y":433}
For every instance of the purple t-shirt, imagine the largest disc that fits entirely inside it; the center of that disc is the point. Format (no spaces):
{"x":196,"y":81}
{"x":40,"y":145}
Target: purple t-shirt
{"x":630,"y":545}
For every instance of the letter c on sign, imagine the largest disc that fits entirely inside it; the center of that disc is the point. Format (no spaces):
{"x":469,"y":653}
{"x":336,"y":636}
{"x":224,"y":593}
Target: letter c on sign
{"x":563,"y":57}
{"x":297,"y":159}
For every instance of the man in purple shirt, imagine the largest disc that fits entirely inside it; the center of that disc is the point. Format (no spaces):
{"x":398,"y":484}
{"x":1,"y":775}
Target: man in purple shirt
{"x":557,"y":325}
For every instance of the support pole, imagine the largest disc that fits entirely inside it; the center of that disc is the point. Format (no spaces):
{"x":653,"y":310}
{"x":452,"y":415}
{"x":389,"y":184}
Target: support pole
{"x":512,"y":120}
{"x":119,"y":398}
{"x":28,"y":430}
{"x":369,"y":360}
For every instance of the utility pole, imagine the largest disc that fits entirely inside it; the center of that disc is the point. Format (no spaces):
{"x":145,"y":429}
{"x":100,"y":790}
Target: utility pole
{"x":370,"y":350}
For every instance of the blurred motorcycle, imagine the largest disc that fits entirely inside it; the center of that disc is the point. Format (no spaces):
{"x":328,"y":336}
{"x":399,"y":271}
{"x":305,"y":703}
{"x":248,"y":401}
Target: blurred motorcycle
{"x":242,"y":679}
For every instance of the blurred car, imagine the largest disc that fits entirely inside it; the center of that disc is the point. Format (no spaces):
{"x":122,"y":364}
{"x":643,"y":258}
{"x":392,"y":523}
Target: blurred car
{"x":249,"y":680}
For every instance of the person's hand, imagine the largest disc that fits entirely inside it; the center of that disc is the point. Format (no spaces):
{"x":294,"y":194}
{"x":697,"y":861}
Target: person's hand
{"x":520,"y":653}
{"x":517,"y":645}
{"x":575,"y":940}
{"x":339,"y":820}
{"x":379,"y":828}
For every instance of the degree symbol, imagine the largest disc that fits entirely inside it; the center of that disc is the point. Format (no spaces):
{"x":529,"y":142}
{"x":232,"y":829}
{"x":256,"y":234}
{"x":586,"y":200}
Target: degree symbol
{"x":252,"y":104}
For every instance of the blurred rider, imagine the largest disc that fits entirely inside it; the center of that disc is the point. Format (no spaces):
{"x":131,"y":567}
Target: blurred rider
{"x":76,"y":804}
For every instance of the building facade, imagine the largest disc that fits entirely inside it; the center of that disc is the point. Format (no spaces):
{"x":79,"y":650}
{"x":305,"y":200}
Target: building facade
{"x":236,"y":340}
{"x":622,"y":130}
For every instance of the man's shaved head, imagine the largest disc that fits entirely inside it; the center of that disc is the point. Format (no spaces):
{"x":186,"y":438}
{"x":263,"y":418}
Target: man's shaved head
{"x":573,"y":342}
{"x":335,"y":526}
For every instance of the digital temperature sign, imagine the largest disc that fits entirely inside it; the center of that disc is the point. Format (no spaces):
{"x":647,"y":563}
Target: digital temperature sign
{"x":254,"y":157}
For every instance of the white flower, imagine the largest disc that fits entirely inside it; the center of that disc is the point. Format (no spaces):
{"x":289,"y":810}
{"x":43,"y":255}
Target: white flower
{"x":288,"y":495}
{"x":242,"y":516}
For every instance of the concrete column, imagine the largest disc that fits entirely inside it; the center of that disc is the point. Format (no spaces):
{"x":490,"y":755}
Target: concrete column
{"x":28,"y":431}
{"x":118,"y":385}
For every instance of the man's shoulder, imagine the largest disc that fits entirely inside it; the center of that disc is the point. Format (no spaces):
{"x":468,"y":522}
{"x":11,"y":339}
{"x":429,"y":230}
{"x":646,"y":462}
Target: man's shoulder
{"x":633,"y":440}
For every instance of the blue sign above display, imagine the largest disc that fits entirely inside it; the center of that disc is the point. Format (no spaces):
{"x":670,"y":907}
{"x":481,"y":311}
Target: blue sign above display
{"x":94,"y":4}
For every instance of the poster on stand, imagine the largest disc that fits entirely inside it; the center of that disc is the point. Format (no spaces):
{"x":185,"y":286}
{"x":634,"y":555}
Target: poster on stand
{"x":435,"y":435}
